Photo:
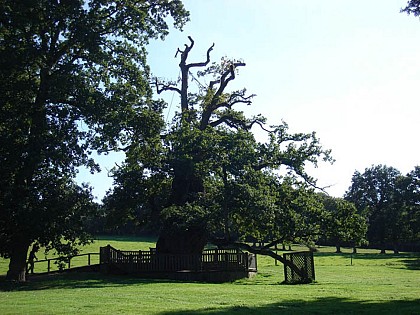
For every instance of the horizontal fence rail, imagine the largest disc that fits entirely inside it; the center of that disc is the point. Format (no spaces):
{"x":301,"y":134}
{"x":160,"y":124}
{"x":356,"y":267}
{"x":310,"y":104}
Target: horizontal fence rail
{"x":64,"y":262}
{"x":149,"y":261}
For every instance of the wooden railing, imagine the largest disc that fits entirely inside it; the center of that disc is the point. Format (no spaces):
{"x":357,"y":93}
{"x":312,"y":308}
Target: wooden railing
{"x":66,"y":262}
{"x":209,"y":260}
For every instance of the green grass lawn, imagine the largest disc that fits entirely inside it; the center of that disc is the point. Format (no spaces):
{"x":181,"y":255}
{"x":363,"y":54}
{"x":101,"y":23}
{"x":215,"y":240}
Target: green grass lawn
{"x":370,"y":283}
{"x":123,"y":242}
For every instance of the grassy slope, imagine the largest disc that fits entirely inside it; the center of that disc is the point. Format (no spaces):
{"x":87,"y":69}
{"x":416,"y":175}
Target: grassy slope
{"x":125,"y":243}
{"x":388,"y":284}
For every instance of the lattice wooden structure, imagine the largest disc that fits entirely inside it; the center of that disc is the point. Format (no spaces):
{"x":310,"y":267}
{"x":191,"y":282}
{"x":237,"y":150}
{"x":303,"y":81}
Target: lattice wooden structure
{"x":304,"y":262}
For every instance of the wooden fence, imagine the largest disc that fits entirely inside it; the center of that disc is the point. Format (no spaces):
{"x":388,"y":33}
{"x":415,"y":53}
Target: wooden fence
{"x":63,"y":262}
{"x":150,"y":261}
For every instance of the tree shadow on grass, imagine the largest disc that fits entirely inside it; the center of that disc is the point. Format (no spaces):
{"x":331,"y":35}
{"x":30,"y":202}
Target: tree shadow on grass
{"x":413,"y":264}
{"x":75,"y":280}
{"x":378,"y":255}
{"x":319,"y":306}
{"x":408,"y":260}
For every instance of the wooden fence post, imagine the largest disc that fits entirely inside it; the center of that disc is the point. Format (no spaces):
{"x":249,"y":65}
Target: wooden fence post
{"x":246,"y":261}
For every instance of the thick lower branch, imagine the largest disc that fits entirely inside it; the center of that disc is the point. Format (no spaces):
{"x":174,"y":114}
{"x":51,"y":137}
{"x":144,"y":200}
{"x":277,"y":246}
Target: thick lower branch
{"x":262,"y":251}
{"x":267,"y":252}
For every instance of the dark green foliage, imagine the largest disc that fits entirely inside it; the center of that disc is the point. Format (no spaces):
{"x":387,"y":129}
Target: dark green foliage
{"x":341,"y":223}
{"x":209,"y":177}
{"x":390,"y":202}
{"x":412,"y":203}
{"x":413,"y":7}
{"x":74,"y":79}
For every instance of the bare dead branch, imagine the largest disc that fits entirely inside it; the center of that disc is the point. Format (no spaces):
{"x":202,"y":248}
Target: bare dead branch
{"x":259,"y":123}
{"x":241,"y":99}
{"x":212,"y":83}
{"x":230,"y":121}
{"x":178,"y":51}
{"x":218,"y":122}
{"x":184,"y":53}
{"x":205,"y":63}
{"x":228,"y":76}
{"x":164,"y":87}
{"x":230,"y":104}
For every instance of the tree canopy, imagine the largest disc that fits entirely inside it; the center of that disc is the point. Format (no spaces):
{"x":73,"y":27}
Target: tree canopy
{"x":391,"y":203}
{"x":208,"y":178}
{"x":74,"y":78}
{"x":342,"y":224}
{"x":413,"y":7}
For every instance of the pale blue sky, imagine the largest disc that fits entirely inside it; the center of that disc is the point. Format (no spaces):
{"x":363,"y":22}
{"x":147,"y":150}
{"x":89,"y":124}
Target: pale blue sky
{"x":347,"y":69}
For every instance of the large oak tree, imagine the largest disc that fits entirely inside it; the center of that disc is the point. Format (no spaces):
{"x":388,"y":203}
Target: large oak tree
{"x":73,"y":79}
{"x":209,"y":178}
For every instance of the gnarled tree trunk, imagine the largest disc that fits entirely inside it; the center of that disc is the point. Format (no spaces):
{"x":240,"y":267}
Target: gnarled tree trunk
{"x":172,"y":241}
{"x":183,"y":240}
{"x":17,"y":265}
{"x":186,"y":185}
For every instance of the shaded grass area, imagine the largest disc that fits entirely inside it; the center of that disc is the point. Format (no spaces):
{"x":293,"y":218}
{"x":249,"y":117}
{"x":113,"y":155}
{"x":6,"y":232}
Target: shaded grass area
{"x":365,"y":283}
{"x":318,"y":306}
{"x":92,"y":293}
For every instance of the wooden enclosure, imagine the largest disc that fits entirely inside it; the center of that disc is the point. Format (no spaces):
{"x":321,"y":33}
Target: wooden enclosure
{"x":211,"y":265}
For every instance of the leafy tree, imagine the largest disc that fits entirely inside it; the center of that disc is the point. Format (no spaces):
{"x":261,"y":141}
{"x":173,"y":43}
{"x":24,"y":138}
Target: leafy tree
{"x":74,"y":78}
{"x":342,"y":223}
{"x":408,"y":201}
{"x":219,"y":180}
{"x":413,"y":204}
{"x":413,"y":7}
{"x":379,"y":192}
{"x":297,"y":213}
{"x":412,"y":198}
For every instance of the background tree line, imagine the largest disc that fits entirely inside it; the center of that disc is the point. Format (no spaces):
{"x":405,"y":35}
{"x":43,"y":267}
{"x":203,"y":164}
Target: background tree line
{"x":381,"y":209}
{"x":391,"y":203}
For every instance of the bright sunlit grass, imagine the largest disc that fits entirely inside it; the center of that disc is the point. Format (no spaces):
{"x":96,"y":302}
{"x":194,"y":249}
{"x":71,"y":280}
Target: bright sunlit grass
{"x":365,"y":283}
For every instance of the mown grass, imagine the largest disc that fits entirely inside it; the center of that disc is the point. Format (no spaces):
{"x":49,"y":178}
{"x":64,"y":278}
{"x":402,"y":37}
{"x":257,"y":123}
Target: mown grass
{"x":365,"y":283}
{"x":120,"y":242}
